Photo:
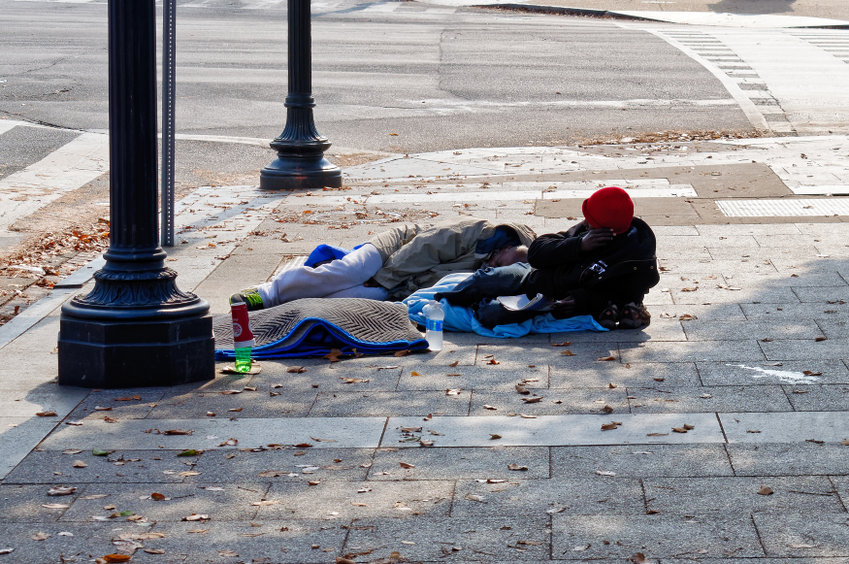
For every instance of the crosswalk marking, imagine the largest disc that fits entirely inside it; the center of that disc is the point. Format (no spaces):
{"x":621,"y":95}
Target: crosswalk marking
{"x":68,"y":168}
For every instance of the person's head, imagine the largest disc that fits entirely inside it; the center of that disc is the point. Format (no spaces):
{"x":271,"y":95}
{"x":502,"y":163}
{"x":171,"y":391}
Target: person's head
{"x":609,"y":207}
{"x":508,"y":255}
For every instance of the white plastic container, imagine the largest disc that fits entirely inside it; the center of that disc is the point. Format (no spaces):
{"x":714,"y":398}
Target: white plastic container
{"x":434,"y":316}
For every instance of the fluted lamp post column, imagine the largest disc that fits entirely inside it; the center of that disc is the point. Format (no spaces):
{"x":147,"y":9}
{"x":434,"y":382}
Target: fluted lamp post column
{"x":135,"y":327}
{"x":300,"y":161}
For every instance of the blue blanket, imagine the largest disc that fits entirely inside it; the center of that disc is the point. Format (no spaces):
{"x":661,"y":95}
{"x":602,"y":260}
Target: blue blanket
{"x":317,"y":326}
{"x":462,"y":319}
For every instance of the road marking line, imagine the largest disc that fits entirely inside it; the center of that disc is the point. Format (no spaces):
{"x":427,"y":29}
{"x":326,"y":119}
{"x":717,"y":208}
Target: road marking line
{"x":819,"y":207}
{"x":73,"y":165}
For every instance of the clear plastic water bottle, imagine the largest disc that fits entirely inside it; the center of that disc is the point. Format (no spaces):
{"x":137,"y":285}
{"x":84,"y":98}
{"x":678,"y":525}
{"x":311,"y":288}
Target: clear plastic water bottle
{"x":434,"y":316}
{"x":243,"y":339}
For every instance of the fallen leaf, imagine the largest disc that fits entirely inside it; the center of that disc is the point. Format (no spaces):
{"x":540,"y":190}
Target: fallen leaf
{"x":765,"y":491}
{"x":103,"y":408}
{"x":61,"y":490}
{"x":492,"y":361}
{"x":296,"y":370}
{"x":605,"y":358}
{"x":567,"y":352}
{"x":155,"y":496}
{"x":228,"y":553}
{"x":638,"y":558}
{"x":811,"y":373}
{"x":605,"y":473}
{"x":818,"y":339}
{"x":517,"y":468}
{"x":71,"y":451}
{"x":189,"y":452}
{"x":229,"y":442}
{"x":426,"y":442}
{"x":679,"y":429}
{"x":613,"y":425}
{"x":40,"y":536}
{"x":401,"y":353}
{"x":333,"y":355}
{"x":561,"y":344}
{"x":314,"y":482}
{"x":46,"y":414}
{"x":526,"y":416}
{"x":197,"y":517}
{"x":657,"y":434}
{"x":454,"y":364}
{"x":265,"y":502}
{"x":6,"y":550}
{"x":406,"y":465}
{"x":414,"y":373}
{"x":522,"y":389}
{"x":303,"y":445}
{"x":177,"y":432}
{"x":354,"y":380}
{"x":116,"y":558}
{"x":453,"y":391}
{"x":490,"y":407}
{"x":607,"y":409}
{"x":534,"y":399}
{"x":55,"y":506}
{"x":494,"y":436}
{"x":153,"y":550}
{"x":79,"y":464}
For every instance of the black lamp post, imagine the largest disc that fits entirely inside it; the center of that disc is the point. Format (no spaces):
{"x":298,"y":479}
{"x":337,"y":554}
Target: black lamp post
{"x":135,"y":328}
{"x":300,"y":161}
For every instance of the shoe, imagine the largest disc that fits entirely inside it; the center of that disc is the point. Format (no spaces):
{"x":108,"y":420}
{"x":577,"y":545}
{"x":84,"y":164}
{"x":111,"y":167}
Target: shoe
{"x":608,"y":316}
{"x":634,"y":316}
{"x":250,"y":297}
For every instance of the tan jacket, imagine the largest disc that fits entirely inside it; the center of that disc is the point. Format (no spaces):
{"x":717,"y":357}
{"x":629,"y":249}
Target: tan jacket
{"x":416,"y":257}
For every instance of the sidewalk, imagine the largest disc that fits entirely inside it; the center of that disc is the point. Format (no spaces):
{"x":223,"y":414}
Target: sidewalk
{"x":731,"y":443}
{"x":734,"y":13}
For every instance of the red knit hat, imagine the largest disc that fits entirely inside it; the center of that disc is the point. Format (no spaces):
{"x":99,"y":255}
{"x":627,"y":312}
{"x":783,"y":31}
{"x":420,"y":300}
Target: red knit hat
{"x":609,"y":207}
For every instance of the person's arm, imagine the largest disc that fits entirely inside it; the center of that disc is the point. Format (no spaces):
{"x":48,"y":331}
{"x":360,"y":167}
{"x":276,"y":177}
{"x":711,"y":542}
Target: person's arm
{"x":552,"y":250}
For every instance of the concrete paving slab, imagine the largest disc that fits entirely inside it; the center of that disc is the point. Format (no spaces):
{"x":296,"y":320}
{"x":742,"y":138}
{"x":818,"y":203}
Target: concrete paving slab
{"x":474,"y":377}
{"x":641,"y":461}
{"x":247,"y":404}
{"x":818,"y":398}
{"x":221,"y":502}
{"x":128,"y":403}
{"x":667,"y":399}
{"x":357,"y":500}
{"x":556,"y":430}
{"x":120,"y":466}
{"x":206,"y":434}
{"x":453,"y":401}
{"x":528,"y":463}
{"x":19,"y":436}
{"x":801,"y":349}
{"x":789,"y":459}
{"x":555,"y":401}
{"x":691,"y":351}
{"x":726,"y":495}
{"x":712,"y":312}
{"x":601,"y":374}
{"x":27,"y":404}
{"x":622,"y":536}
{"x":77,"y":542}
{"x":780,"y":313}
{"x":795,"y":534}
{"x":274,"y":465}
{"x":288,"y":542}
{"x":298,"y":376}
{"x":26,"y":503}
{"x":514,"y":538}
{"x":700,"y":330}
{"x":561,"y":496}
{"x":829,"y":427}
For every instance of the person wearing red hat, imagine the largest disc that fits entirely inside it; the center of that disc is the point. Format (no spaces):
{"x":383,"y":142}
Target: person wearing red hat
{"x":603,"y":266}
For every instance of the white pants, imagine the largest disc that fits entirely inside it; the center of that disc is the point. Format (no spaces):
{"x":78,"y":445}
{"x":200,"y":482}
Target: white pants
{"x":340,"y":278}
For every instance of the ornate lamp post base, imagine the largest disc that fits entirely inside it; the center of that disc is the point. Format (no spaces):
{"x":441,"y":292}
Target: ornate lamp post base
{"x":129,"y":354}
{"x":290,"y":171}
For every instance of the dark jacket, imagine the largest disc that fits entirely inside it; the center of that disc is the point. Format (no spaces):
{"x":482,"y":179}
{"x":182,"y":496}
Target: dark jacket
{"x":621,"y":272}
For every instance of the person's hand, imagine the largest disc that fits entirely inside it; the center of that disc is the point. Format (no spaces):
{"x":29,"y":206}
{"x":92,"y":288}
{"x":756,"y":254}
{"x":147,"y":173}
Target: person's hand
{"x":564,"y":308}
{"x":595,"y":239}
